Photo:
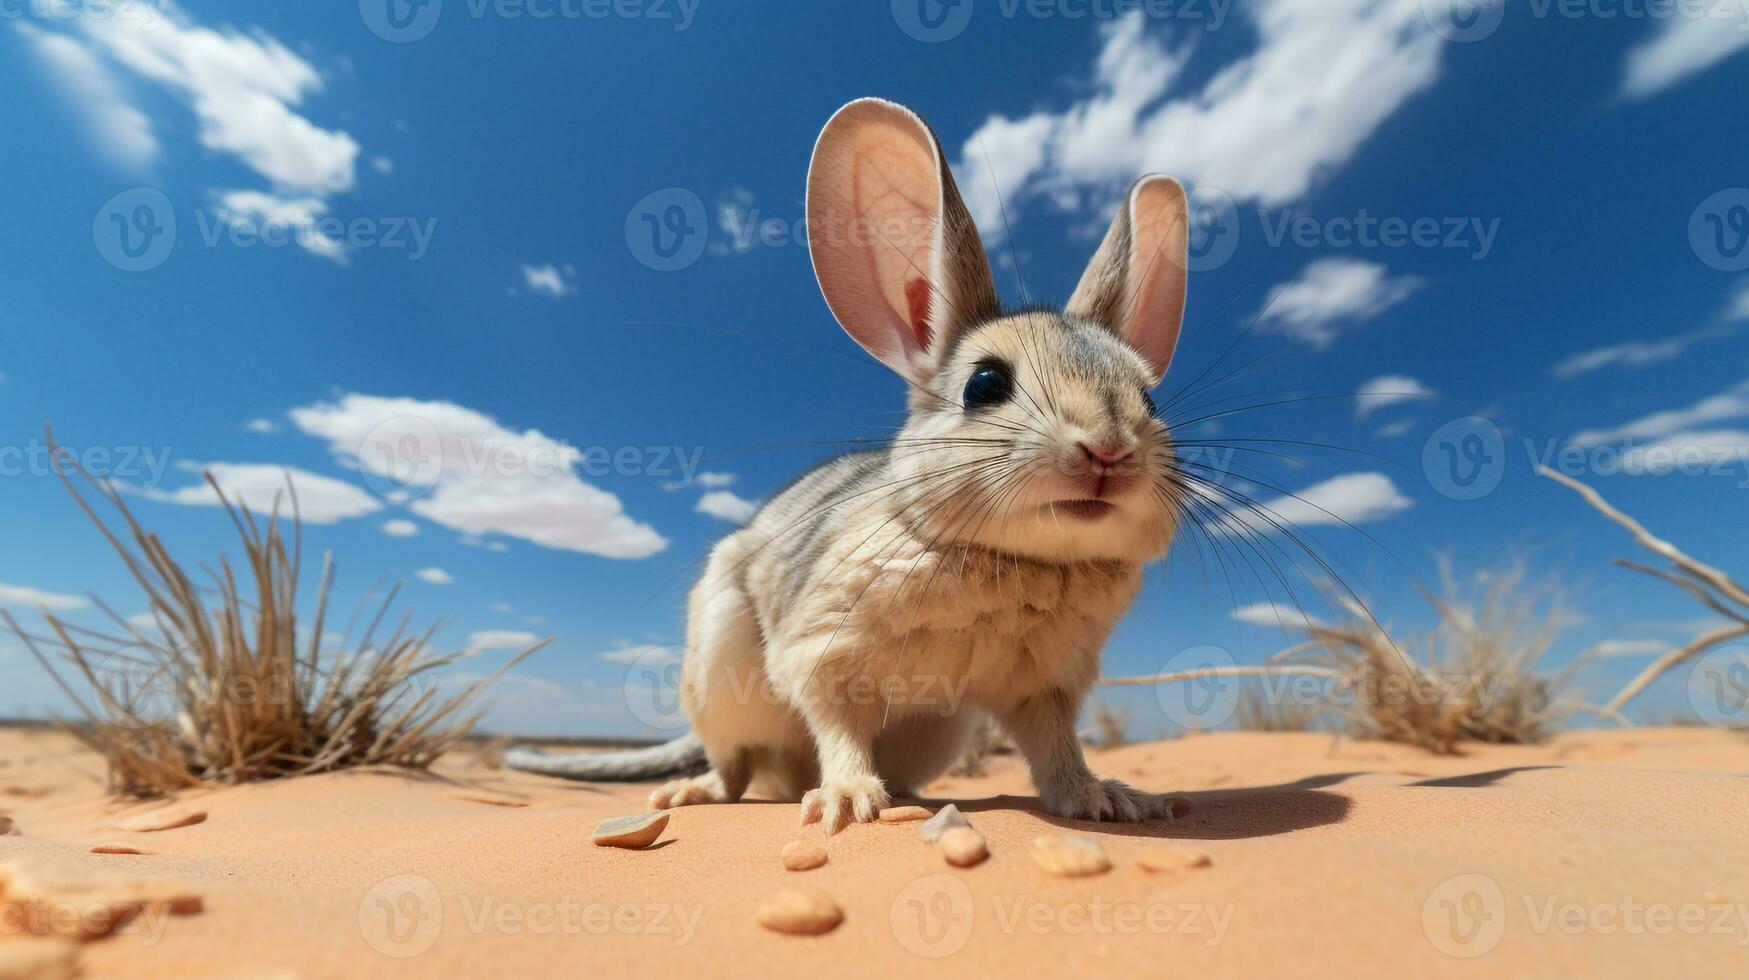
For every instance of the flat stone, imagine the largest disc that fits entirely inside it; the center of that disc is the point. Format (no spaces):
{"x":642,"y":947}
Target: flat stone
{"x":946,"y":817}
{"x":1170,"y":859}
{"x":166,"y":818}
{"x":803,"y":855}
{"x":904,"y":814}
{"x":118,"y":847}
{"x":633,"y":832}
{"x":1071,"y":856}
{"x":799,"y":912}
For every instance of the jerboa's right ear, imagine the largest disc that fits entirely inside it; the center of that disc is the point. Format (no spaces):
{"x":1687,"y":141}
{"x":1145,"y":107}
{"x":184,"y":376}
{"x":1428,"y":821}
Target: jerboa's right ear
{"x":894,"y":249}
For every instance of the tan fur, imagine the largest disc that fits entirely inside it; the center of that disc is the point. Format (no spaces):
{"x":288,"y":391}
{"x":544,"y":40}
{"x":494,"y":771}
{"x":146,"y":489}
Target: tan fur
{"x":849,"y":640}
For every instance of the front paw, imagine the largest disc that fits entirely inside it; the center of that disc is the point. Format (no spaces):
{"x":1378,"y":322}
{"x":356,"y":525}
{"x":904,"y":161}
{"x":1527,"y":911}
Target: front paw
{"x":840,"y":801}
{"x":1109,"y":799}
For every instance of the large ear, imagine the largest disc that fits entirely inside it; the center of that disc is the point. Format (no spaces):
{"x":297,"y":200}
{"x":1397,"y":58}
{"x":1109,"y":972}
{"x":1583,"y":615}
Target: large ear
{"x":1135,"y":284}
{"x":897,"y":256}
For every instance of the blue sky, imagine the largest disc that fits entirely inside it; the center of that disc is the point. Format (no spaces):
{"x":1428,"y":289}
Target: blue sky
{"x":437,"y":227}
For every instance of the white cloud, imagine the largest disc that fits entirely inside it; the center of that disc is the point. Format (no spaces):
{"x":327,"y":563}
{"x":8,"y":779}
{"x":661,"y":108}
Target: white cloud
{"x":1330,"y":291}
{"x":435,"y":576}
{"x":382,"y":165}
{"x":400,"y":527}
{"x":712,"y":481}
{"x":1730,"y":404}
{"x":1639,"y":353}
{"x":121,"y":132}
{"x":1686,"y":452}
{"x":242,"y":89}
{"x":1684,"y":45}
{"x":725,"y":506}
{"x":1264,"y":127}
{"x":24,"y":595}
{"x":1275,"y":615}
{"x":649,"y":653}
{"x":1353,"y":498}
{"x":1388,"y":389}
{"x":320,"y":499}
{"x":1629,"y":648}
{"x":548,"y":280}
{"x":483,"y":641}
{"x":499,"y":607}
{"x":1397,"y":429}
{"x":1739,"y":308}
{"x":259,"y":214}
{"x":261,"y":426}
{"x":478,"y":477}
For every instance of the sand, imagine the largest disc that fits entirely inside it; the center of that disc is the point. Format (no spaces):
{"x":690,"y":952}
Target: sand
{"x":1602,"y":854}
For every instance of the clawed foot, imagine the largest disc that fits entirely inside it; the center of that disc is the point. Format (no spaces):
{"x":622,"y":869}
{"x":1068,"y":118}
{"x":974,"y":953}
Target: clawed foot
{"x":840,"y":802}
{"x":1109,"y":799}
{"x":687,"y":792}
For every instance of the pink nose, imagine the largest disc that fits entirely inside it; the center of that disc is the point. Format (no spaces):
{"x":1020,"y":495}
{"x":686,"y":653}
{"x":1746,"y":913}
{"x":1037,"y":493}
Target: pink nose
{"x":1109,"y":454}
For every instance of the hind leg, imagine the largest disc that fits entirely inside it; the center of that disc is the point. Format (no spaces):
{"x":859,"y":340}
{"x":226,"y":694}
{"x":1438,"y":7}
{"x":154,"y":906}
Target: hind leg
{"x":914,"y":752}
{"x":725,"y":783}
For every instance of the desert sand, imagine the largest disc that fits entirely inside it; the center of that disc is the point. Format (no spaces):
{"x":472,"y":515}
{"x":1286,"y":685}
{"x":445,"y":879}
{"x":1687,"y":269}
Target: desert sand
{"x":1601,"y":854}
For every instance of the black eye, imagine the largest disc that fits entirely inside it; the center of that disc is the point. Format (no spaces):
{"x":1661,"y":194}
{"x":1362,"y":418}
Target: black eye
{"x":1148,"y":400}
{"x":989,"y":385}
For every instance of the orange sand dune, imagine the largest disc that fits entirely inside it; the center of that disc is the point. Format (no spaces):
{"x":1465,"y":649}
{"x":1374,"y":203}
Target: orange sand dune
{"x":1602,"y":854}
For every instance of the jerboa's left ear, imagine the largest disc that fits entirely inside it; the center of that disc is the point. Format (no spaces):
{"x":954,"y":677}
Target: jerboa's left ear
{"x":1135,"y":284}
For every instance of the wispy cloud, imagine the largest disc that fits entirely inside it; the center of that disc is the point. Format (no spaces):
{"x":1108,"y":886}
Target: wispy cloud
{"x":475,"y":476}
{"x":1683,"y":46}
{"x":1330,"y":292}
{"x":24,"y":595}
{"x":1732,"y":403}
{"x":485,"y":641}
{"x":649,"y":654}
{"x":262,"y":486}
{"x":400,"y":527}
{"x":1259,"y":129}
{"x":549,"y":280}
{"x":1639,"y":353}
{"x":119,"y":131}
{"x":726,"y":506}
{"x":1386,"y":390}
{"x":1353,"y":498}
{"x":435,"y":576}
{"x":1275,"y":615}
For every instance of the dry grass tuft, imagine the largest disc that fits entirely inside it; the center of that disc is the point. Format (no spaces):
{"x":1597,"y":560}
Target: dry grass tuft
{"x":222,"y":694}
{"x":1110,"y":728}
{"x":1709,"y":586}
{"x":1476,"y":682}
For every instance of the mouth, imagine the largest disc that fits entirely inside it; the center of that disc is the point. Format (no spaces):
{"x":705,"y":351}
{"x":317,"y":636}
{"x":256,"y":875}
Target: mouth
{"x":1085,"y":510}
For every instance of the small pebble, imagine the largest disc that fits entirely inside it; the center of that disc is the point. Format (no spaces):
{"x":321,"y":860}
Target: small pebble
{"x":803,"y":855}
{"x":636,"y":831}
{"x":800,"y":912}
{"x":903,"y":814}
{"x":947,"y":817}
{"x":1172,"y":859}
{"x":962,"y":847}
{"x":116,"y":847}
{"x":1071,"y":856}
{"x":5,"y":826}
{"x":168,"y":818}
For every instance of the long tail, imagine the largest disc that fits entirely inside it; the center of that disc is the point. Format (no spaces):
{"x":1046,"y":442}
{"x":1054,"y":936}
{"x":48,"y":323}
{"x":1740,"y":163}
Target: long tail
{"x":683,"y":755}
